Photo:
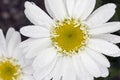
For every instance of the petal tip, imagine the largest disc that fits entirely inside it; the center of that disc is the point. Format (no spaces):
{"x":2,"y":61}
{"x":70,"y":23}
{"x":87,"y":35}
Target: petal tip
{"x":0,"y":30}
{"x":22,"y":31}
{"x":11,"y":28}
{"x":112,"y":5}
{"x":27,"y":3}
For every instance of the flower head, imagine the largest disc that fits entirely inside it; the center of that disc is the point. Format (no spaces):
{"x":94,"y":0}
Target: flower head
{"x":70,"y":44}
{"x":12,"y":62}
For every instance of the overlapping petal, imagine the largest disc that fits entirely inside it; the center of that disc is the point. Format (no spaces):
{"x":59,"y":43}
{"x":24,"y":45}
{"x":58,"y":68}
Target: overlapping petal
{"x":36,"y":15}
{"x":103,"y":46}
{"x":109,"y":37}
{"x":56,"y":9}
{"x":35,"y":32}
{"x":109,"y":27}
{"x":45,"y":58}
{"x":101,"y":15}
{"x":83,"y":8}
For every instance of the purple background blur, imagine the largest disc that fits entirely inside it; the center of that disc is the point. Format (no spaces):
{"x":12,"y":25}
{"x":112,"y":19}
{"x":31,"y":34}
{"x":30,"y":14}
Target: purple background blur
{"x":12,"y":13}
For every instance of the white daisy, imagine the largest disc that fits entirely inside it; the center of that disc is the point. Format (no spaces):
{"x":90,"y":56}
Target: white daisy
{"x":72,"y":42}
{"x":12,"y":63}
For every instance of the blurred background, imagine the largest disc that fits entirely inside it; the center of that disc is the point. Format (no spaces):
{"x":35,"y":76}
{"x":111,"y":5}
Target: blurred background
{"x":12,"y":15}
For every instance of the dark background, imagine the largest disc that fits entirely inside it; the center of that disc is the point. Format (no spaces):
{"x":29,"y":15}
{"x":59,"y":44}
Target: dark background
{"x":12,"y":15}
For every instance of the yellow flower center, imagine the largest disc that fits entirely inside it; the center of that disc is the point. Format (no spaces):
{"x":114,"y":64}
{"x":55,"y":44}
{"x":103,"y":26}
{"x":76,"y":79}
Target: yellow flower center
{"x":9,"y":69}
{"x":69,"y":36}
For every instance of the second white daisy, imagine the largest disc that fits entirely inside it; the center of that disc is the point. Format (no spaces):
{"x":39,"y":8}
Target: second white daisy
{"x":13,"y":66}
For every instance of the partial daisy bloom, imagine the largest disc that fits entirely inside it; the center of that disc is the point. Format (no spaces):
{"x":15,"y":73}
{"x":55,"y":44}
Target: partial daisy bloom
{"x":12,"y":63}
{"x":72,"y":42}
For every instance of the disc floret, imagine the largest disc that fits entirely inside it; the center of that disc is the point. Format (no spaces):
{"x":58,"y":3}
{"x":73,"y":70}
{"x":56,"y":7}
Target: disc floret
{"x":10,"y":69}
{"x":69,"y":36}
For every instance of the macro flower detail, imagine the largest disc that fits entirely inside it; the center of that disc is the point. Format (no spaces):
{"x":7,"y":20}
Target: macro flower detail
{"x":69,"y":36}
{"x":12,"y":63}
{"x":70,"y":44}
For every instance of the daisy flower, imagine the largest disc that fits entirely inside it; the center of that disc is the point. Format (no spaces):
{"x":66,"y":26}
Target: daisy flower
{"x":12,"y":64}
{"x":70,"y":44}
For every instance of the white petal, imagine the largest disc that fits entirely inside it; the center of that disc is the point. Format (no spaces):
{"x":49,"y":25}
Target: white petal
{"x":46,"y":57}
{"x":2,"y":44}
{"x":27,"y":42}
{"x":80,"y":70}
{"x":56,"y":73}
{"x":103,"y":46}
{"x":36,"y":47}
{"x":47,"y":78}
{"x":77,"y":67}
{"x":35,"y":32}
{"x":28,"y":70}
{"x":83,"y":8}
{"x":70,"y":5}
{"x":19,"y":56}
{"x":28,"y":77}
{"x":28,"y":62}
{"x":115,"y":55}
{"x":79,"y":8}
{"x":88,"y":9}
{"x":43,"y":72}
{"x":1,"y":53}
{"x":48,"y":8}
{"x":36,"y":15}
{"x":106,"y":28}
{"x":109,"y":37}
{"x":69,"y":73}
{"x":104,"y":70}
{"x":13,"y":42}
{"x":56,"y":8}
{"x":9,"y":34}
{"x":101,"y":15}
{"x":98,"y":57}
{"x":90,"y":65}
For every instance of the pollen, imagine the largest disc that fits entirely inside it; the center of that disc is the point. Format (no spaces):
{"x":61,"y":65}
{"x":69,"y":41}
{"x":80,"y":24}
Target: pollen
{"x":9,"y":69}
{"x":69,"y":36}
